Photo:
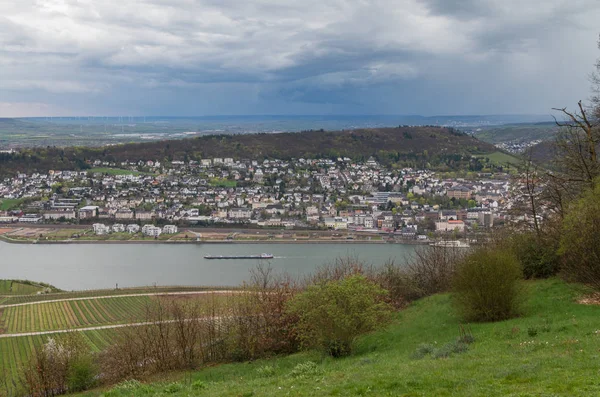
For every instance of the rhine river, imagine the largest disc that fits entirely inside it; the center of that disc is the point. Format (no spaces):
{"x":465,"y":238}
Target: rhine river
{"x":95,"y":266}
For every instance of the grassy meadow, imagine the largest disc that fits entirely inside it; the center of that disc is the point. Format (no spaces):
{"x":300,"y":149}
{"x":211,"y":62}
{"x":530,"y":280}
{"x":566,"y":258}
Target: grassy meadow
{"x":551,"y":350}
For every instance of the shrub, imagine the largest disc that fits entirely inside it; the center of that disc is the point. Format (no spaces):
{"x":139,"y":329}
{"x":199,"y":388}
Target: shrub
{"x":422,"y":350}
{"x":538,"y":255}
{"x":579,"y":242}
{"x":332,"y":314}
{"x":61,"y":360}
{"x":402,"y":288}
{"x":432,"y":268}
{"x":81,"y":374}
{"x":486,"y":286}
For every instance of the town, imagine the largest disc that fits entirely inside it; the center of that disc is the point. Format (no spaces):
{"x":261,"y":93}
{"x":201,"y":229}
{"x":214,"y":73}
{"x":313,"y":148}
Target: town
{"x":155,"y":197}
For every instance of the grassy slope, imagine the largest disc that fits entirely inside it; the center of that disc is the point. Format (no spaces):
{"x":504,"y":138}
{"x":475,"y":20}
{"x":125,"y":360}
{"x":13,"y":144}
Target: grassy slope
{"x":562,"y":359}
{"x":10,"y":287}
{"x":501,"y":158}
{"x":517,"y":132}
{"x":9,"y":204}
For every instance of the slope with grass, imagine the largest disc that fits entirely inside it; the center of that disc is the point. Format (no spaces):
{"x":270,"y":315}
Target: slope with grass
{"x":551,"y":350}
{"x":20,"y":287}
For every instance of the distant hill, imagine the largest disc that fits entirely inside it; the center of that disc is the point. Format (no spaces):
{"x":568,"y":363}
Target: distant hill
{"x":437,"y":147}
{"x":517,"y":132}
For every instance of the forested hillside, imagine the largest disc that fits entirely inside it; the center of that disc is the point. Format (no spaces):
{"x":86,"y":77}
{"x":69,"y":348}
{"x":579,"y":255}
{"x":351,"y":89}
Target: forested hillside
{"x":442,"y":148}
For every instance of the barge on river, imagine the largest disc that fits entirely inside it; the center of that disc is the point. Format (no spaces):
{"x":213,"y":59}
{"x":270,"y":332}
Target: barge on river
{"x":261,"y":256}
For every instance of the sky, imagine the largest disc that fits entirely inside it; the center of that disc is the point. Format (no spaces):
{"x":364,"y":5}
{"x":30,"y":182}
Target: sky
{"x":250,"y":57}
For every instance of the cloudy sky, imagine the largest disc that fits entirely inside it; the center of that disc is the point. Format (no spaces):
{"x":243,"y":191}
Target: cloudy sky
{"x":214,"y":57}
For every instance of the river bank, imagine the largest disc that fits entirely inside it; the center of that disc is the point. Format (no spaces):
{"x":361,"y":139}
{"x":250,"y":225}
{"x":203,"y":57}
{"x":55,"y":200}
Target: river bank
{"x":62,"y":235}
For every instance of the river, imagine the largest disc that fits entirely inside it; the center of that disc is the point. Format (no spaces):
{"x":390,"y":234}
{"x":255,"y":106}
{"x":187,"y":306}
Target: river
{"x":94,"y":266}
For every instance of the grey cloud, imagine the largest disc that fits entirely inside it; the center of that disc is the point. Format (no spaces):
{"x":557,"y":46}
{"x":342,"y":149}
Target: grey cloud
{"x":289,"y":55}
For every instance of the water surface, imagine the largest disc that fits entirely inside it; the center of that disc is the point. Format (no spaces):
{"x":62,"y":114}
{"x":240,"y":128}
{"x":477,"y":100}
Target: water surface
{"x":93,"y":266}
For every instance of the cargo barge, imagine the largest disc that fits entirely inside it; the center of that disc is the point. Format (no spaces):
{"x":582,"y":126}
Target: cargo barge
{"x":261,"y":256}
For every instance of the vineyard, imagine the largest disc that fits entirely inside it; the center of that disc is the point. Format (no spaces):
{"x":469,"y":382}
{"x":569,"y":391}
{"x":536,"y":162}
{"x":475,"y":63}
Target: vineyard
{"x":72,"y":314}
{"x":24,"y":310}
{"x":14,"y":353}
{"x":10,"y":287}
{"x":11,"y":300}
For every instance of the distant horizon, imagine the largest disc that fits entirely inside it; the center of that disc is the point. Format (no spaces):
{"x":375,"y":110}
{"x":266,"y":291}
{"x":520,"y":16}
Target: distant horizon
{"x":287,"y":115}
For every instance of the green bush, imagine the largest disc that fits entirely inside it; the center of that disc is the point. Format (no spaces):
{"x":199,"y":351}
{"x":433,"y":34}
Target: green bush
{"x":538,"y":255}
{"x":332,"y":314}
{"x":579,"y":245}
{"x":82,"y":374}
{"x":486,"y":286}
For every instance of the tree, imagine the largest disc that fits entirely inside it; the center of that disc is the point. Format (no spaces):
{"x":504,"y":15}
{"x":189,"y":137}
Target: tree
{"x":332,"y":314}
{"x":579,"y":242}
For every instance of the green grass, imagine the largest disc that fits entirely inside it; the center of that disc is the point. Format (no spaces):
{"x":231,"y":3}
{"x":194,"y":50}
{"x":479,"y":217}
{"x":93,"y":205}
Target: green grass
{"x":9,"y":204}
{"x":15,"y":287}
{"x":218,"y":182}
{"x":552,"y":350}
{"x":501,"y":158}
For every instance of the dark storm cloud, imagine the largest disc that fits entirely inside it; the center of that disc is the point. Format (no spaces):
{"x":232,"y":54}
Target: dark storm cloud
{"x":266,"y":56}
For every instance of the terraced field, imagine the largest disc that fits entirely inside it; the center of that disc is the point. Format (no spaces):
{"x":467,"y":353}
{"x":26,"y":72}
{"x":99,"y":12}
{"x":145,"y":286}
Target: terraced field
{"x":11,"y":300}
{"x":10,"y":287}
{"x":49,"y":316}
{"x":49,"y":313}
{"x":15,"y":352}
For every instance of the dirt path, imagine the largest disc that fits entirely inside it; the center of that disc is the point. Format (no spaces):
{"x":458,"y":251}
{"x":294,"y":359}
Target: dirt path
{"x":122,"y":296}
{"x":100,"y":327}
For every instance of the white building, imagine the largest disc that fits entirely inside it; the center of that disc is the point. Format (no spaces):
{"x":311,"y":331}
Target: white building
{"x":31,"y":218}
{"x":169,"y":229}
{"x":151,"y":230}
{"x":240,"y":213}
{"x":100,"y":229}
{"x":133,"y":228}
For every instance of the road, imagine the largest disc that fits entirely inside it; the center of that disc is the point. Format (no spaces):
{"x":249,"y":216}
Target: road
{"x":121,"y":296}
{"x":100,"y":327}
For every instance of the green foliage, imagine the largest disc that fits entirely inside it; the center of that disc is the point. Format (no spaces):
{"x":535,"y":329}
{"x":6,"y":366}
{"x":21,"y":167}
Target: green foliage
{"x":9,"y":204}
{"x":561,"y":362}
{"x":579,"y":244}
{"x":427,"y":145}
{"x":81,"y":374}
{"x":486,"y":285}
{"x":538,"y":255}
{"x":332,"y":314}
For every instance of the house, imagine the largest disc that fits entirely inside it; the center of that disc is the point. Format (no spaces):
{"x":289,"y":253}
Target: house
{"x":450,"y":226}
{"x":169,"y":229}
{"x":100,"y":229}
{"x":31,"y":218}
{"x":144,"y":215}
{"x":124,"y":214}
{"x":56,"y":215}
{"x":87,"y":212}
{"x":459,"y":192}
{"x":151,"y":230}
{"x":239,"y":213}
{"x":133,"y":228}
